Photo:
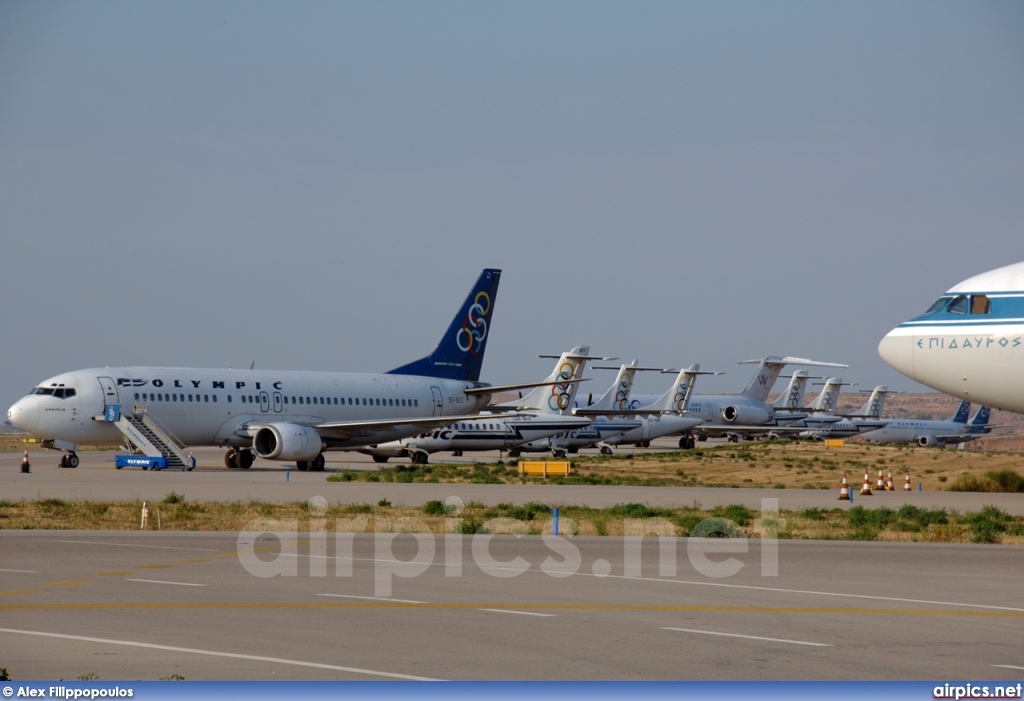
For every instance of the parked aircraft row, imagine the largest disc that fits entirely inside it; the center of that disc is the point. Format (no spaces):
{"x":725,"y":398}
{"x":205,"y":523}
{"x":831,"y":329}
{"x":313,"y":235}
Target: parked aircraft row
{"x":425,"y":406}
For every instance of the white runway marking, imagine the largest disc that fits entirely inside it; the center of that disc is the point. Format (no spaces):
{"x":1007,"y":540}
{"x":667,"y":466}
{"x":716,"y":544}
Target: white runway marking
{"x":749,"y":637}
{"x":520,"y":613}
{"x":1007,"y":666}
{"x":777,"y":590}
{"x":22,"y":571}
{"x":214,"y":653}
{"x":373,"y":598}
{"x":133,"y":545}
{"x":160,"y":581}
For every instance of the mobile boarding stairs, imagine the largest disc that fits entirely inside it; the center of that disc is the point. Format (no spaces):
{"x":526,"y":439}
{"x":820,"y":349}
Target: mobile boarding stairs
{"x":159,"y":450}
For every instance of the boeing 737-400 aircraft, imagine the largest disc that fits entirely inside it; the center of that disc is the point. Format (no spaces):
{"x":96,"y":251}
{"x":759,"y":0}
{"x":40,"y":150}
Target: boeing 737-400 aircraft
{"x":272,"y":414}
{"x":970,"y":342}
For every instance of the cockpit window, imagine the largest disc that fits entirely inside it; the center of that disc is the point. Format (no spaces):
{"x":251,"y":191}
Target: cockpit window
{"x":980,"y":304}
{"x":58,"y":392}
{"x":939,"y":305}
{"x":958,"y":305}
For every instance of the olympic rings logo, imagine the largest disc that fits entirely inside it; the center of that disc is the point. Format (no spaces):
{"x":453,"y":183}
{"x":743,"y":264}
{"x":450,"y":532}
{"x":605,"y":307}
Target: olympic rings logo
{"x":681,"y":389}
{"x":559,"y":399}
{"x":622,"y":393}
{"x":470,"y":338}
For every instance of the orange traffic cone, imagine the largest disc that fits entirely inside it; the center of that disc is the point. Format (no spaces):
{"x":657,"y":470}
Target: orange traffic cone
{"x":906,"y":485}
{"x":880,"y":484}
{"x":25,"y":466}
{"x":888,"y":483}
{"x":866,"y":489}
{"x":844,"y":491}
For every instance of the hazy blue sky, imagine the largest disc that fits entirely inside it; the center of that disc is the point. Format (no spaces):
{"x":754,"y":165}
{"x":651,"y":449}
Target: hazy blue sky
{"x":315,"y":185}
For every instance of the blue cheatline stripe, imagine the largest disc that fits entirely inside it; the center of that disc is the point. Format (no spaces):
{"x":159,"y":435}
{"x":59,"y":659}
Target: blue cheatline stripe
{"x":962,"y":322}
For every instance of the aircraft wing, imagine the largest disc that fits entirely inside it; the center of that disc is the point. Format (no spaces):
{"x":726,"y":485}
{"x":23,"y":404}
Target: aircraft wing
{"x":346,"y":430}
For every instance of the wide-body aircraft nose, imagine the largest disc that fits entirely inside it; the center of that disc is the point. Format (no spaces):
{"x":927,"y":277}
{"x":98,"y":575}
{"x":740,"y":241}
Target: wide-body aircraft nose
{"x":897,"y":349}
{"x":25,"y":414}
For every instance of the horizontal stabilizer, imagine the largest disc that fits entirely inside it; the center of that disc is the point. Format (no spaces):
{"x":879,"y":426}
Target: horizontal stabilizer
{"x":789,"y":360}
{"x":528,"y":385}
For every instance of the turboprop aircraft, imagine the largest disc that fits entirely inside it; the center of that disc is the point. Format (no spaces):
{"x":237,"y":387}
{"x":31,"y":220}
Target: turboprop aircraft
{"x":665,"y":417}
{"x":273,"y":414}
{"x":970,"y":342}
{"x":538,"y":415}
{"x":598,"y":429}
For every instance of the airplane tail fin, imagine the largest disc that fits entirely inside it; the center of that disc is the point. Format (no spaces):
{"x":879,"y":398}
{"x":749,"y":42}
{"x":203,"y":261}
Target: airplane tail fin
{"x":962,"y":412}
{"x":768,"y":372}
{"x":980,"y":420}
{"x":793,"y":397}
{"x":617,"y":396}
{"x":556,"y":399}
{"x":677,"y":398}
{"x":826,"y":401}
{"x":460,"y":353}
{"x":873,"y":406}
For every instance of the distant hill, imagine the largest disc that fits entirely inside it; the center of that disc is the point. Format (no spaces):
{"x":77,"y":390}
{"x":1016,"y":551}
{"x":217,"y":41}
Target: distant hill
{"x":8,"y":427}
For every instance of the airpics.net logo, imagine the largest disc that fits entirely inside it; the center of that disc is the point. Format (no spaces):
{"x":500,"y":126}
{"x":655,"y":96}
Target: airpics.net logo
{"x":279,"y":548}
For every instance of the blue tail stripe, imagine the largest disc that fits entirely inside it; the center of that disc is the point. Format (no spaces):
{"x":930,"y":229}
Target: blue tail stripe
{"x":460,"y":353}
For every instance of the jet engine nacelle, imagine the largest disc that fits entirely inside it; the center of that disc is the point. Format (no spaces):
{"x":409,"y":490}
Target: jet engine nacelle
{"x":286,"y":441}
{"x":745,"y":415}
{"x":926,"y":441}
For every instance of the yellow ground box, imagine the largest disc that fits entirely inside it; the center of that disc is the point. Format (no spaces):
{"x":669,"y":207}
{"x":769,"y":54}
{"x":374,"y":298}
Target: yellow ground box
{"x":545,"y":468}
{"x":834,"y":442}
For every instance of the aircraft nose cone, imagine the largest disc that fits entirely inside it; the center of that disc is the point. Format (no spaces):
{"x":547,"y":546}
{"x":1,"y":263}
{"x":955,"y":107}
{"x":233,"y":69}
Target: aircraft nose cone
{"x":897,"y":349}
{"x":24,"y":414}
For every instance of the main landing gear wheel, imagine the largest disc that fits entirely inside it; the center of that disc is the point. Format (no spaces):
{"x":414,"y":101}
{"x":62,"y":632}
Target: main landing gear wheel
{"x":380,"y":458}
{"x":605,"y":450}
{"x":303,"y":465}
{"x":559,"y":453}
{"x":69,"y":460}
{"x":317,"y":463}
{"x":514,"y":453}
{"x":236,"y":459}
{"x":687,"y":443}
{"x":419,"y":458}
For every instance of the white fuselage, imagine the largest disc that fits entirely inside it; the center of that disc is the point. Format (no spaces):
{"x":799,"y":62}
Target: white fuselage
{"x":824,"y":426}
{"x":913,"y":431}
{"x":971,"y":345}
{"x":204,"y":407}
{"x":485,"y":433}
{"x":600,"y":429}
